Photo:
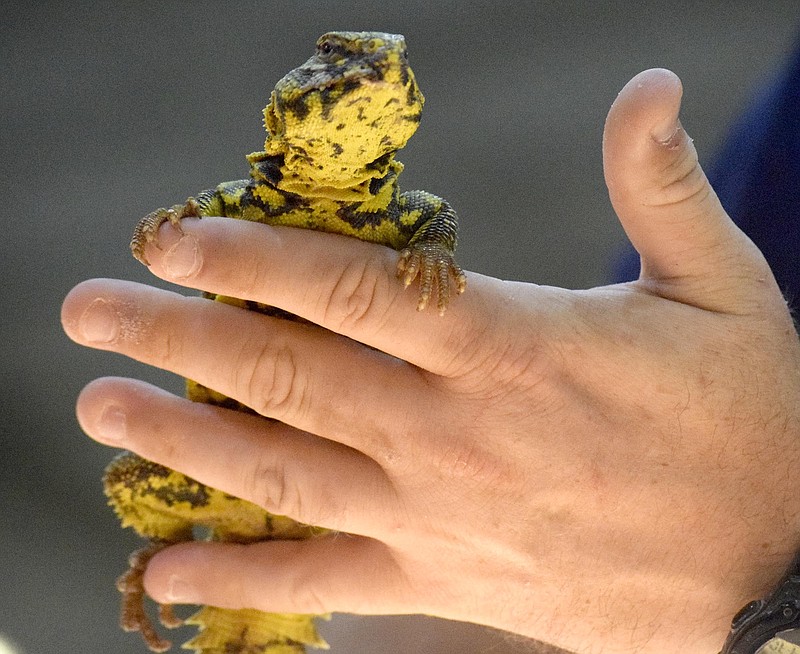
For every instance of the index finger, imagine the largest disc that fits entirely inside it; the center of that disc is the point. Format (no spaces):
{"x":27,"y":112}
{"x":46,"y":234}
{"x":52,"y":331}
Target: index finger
{"x":343,"y":284}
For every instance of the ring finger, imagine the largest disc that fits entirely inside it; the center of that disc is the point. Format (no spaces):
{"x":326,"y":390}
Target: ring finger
{"x":283,"y":470}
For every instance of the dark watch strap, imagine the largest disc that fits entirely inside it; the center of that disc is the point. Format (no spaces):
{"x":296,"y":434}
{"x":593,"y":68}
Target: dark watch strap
{"x":762,"y":620}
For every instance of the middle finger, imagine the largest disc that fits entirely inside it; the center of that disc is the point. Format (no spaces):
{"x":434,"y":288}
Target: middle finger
{"x":297,"y":373}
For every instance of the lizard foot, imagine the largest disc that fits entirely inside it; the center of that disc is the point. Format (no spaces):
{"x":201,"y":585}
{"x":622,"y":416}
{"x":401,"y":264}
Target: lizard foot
{"x":434,"y":265}
{"x":147,"y":228}
{"x":133,"y":616}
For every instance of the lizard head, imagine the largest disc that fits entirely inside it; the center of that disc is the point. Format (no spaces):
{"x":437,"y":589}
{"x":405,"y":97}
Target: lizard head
{"x":341,"y":113}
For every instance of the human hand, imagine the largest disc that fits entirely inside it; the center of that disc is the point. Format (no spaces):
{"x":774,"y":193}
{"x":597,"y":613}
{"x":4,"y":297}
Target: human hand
{"x":611,"y":469}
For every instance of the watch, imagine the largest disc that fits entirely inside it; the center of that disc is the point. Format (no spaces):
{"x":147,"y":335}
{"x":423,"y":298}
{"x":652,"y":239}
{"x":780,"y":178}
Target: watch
{"x":770,"y":625}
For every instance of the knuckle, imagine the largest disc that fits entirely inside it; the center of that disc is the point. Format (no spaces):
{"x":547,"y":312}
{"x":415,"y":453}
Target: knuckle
{"x":169,"y":349}
{"x":170,"y":442}
{"x":253,"y":278}
{"x":360,"y":294}
{"x":270,"y":486}
{"x":306,"y":596}
{"x":271,"y":380}
{"x":483,"y":465}
{"x":468,"y":462}
{"x":682,"y":181}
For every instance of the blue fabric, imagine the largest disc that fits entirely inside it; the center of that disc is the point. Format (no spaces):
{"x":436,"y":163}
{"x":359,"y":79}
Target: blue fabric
{"x":757,"y":177}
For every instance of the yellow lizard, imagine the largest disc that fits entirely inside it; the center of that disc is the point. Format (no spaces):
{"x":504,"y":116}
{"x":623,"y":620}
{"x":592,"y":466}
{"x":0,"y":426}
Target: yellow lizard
{"x":333,"y":127}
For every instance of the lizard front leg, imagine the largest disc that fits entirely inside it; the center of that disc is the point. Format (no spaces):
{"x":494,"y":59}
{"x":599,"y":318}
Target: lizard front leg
{"x":146,"y":230}
{"x":224,"y":200}
{"x":430,"y":253}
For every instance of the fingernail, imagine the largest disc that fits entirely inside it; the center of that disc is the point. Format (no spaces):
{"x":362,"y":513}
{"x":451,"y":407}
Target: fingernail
{"x":99,"y":322}
{"x":181,"y":591}
{"x":183,"y":259}
{"x":113,"y":425}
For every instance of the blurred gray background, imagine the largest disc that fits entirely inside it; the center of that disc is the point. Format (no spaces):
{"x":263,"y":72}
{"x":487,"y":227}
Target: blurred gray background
{"x":110,"y":110}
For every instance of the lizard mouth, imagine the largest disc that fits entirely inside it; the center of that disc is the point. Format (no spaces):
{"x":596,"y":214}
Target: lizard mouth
{"x":320,"y":79}
{"x":293,"y":93}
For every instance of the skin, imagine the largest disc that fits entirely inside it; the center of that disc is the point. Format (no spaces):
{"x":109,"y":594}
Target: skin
{"x":615,"y":468}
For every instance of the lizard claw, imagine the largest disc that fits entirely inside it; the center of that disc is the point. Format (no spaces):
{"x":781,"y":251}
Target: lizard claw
{"x":133,"y":616}
{"x":434,"y":265}
{"x":146,"y":230}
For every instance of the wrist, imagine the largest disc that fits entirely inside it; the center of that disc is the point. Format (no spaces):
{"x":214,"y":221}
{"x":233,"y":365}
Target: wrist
{"x":772,"y":623}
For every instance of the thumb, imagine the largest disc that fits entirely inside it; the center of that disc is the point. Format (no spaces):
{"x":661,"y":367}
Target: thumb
{"x":690,"y":249}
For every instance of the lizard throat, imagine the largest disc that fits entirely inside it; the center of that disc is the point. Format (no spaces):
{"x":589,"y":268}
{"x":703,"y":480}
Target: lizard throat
{"x":300,"y":176}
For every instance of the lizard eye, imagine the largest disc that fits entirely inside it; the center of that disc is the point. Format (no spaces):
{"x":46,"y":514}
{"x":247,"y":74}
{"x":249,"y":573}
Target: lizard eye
{"x":325,"y":48}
